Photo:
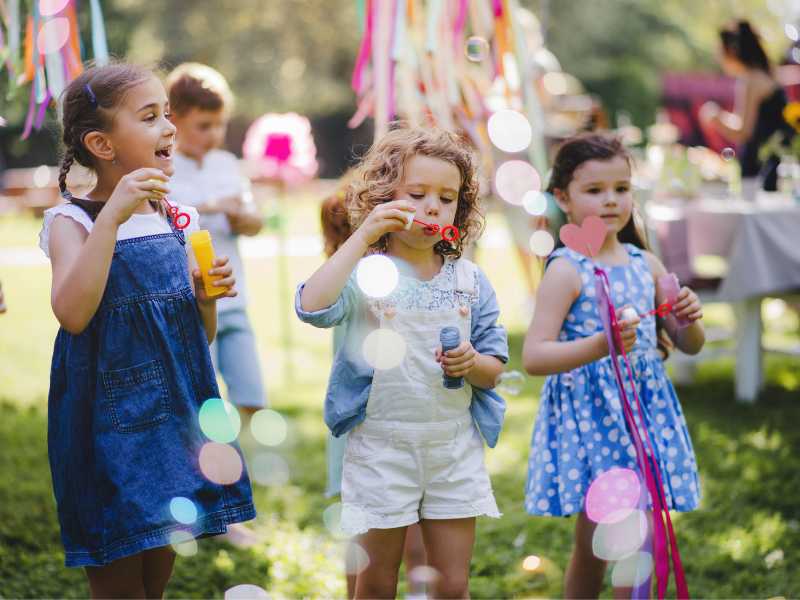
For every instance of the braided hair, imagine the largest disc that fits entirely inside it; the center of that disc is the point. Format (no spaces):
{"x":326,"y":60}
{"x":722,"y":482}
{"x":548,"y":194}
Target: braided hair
{"x":87,"y":105}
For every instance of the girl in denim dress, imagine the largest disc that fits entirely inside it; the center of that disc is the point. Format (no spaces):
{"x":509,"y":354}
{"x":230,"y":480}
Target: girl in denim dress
{"x":131,"y":365}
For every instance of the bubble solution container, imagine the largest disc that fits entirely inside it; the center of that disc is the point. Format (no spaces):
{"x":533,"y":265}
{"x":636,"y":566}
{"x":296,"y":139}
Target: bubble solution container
{"x":204,"y":253}
{"x":450,"y":338}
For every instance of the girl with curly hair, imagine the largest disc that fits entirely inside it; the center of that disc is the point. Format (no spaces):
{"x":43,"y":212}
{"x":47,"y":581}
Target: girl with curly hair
{"x":414,"y":451}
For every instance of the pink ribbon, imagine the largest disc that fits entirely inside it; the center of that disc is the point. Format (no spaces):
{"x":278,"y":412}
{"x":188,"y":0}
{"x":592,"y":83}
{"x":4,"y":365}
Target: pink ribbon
{"x":648,"y":464}
{"x":364,"y":51}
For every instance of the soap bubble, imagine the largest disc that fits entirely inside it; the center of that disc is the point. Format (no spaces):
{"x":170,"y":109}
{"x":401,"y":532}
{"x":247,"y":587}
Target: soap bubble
{"x":510,"y":382}
{"x":377,"y":275}
{"x":509,"y":130}
{"x":219,"y":420}
{"x":728,"y":154}
{"x":384,"y":349}
{"x":476,"y":48}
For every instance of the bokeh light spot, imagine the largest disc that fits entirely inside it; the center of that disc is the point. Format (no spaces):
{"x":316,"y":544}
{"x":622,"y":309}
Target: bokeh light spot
{"x":612,"y":495}
{"x":53,"y":35}
{"x":514,"y":178}
{"x":542,"y":243}
{"x":183,"y":510}
{"x":632,"y":571}
{"x":384,"y":349}
{"x":509,"y":130}
{"x":219,"y":420}
{"x":51,"y":7}
{"x":246,"y":591}
{"x":183,"y":543}
{"x":377,"y":275}
{"x":531,"y":563}
{"x":356,"y":559}
{"x":220,"y":463}
{"x":332,"y":517}
{"x":618,"y":539}
{"x":535,"y":203}
{"x":269,"y":468}
{"x":268,"y":427}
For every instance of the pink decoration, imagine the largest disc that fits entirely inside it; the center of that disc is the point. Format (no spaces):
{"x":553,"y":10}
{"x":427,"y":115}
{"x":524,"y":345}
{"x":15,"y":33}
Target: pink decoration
{"x":280,"y":147}
{"x":586,"y":239}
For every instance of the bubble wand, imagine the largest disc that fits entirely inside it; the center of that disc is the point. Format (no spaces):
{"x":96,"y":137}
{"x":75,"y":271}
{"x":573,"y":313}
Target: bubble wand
{"x":587,"y":240}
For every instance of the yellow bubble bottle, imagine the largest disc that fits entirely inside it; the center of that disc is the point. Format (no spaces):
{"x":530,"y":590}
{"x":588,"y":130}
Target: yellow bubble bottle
{"x":204,"y":254}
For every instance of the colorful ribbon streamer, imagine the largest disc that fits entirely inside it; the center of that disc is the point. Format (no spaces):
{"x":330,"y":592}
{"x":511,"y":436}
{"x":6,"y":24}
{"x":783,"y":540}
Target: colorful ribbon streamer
{"x":663,"y":532}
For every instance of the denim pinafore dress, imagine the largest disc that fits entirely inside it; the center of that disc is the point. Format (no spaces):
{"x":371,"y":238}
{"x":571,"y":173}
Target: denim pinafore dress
{"x":123,"y":432}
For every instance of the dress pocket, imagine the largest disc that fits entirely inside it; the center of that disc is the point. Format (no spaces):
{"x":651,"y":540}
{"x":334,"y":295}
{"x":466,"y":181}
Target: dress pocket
{"x":137,"y":396}
{"x":361,"y":448}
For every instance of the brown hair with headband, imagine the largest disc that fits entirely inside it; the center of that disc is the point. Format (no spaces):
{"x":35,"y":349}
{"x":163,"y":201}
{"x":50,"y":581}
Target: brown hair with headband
{"x":88,"y":104}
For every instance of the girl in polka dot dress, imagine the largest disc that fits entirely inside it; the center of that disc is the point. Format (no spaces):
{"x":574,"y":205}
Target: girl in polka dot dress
{"x":580,"y":429}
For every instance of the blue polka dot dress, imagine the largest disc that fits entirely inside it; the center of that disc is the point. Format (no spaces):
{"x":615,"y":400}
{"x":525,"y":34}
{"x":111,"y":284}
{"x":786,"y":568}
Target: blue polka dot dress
{"x":580,"y":430}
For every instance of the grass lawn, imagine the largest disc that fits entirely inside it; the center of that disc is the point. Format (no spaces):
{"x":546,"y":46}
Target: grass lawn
{"x":743,"y":542}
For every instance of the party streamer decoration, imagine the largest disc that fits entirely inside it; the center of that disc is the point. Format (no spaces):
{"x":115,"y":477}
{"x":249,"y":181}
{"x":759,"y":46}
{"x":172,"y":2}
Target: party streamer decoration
{"x":51,"y":50}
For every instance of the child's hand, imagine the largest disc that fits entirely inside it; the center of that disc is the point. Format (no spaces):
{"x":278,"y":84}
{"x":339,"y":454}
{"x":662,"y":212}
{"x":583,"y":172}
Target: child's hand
{"x":627,"y":328}
{"x":459,"y":361}
{"x":221,"y":267}
{"x":688,"y":305}
{"x":385,"y":218}
{"x":134,"y":188}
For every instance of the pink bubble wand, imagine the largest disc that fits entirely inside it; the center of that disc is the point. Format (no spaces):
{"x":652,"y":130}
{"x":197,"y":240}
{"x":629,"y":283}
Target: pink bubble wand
{"x":587,"y":240}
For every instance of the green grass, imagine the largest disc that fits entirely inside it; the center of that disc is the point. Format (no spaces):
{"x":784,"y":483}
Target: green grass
{"x":732,"y":546}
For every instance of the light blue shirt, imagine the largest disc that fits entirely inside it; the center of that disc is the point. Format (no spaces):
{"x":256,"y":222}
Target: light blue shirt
{"x":351,"y":376}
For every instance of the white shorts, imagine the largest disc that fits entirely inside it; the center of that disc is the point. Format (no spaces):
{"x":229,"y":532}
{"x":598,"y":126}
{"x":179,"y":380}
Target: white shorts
{"x":397,"y":473}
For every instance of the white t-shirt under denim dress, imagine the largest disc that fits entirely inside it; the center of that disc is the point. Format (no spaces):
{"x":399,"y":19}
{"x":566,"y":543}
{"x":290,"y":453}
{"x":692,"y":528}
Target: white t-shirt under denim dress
{"x":418,"y":453}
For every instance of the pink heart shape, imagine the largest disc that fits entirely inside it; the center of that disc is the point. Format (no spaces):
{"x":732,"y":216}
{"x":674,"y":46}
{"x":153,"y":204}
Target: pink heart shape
{"x":586,"y":239}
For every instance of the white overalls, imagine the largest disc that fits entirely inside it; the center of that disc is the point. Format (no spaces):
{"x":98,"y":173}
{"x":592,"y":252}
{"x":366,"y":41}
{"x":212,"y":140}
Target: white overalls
{"x":418,"y":454}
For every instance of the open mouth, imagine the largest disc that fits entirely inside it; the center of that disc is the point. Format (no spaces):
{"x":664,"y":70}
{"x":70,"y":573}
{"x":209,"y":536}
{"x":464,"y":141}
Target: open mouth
{"x":165,"y":153}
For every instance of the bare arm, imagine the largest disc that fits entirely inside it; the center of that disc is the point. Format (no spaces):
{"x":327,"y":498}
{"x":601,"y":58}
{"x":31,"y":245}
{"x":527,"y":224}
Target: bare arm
{"x":690,"y":339}
{"x":542,"y":354}
{"x":81,"y":262}
{"x":326,"y":284}
{"x":738,"y":126}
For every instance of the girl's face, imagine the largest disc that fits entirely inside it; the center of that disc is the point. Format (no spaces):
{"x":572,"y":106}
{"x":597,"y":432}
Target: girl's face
{"x":142,"y":135}
{"x":432,"y":186}
{"x":601,"y":188}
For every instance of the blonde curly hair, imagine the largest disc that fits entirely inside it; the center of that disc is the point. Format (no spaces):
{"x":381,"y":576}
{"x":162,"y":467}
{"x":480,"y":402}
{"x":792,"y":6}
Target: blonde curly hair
{"x":382,"y":169}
